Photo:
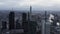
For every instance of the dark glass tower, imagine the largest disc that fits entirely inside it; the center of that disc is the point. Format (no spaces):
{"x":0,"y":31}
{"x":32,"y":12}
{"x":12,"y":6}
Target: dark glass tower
{"x":24,"y":23}
{"x":32,"y":27}
{"x":4,"y":25}
{"x":18,"y":26}
{"x":11,"y":20}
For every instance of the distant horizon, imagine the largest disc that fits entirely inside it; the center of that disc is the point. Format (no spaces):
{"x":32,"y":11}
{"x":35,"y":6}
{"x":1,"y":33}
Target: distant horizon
{"x":35,"y":11}
{"x":29,"y":10}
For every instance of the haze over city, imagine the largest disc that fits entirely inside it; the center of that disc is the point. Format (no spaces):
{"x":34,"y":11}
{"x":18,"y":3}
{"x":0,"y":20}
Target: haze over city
{"x":53,"y":5}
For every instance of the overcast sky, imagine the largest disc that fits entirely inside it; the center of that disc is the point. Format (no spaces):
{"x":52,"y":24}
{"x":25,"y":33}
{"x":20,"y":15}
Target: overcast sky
{"x":24,"y":4}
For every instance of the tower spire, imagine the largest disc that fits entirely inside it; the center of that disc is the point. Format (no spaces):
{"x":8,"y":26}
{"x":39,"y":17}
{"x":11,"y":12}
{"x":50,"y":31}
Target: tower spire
{"x":30,"y":9}
{"x":30,"y":12}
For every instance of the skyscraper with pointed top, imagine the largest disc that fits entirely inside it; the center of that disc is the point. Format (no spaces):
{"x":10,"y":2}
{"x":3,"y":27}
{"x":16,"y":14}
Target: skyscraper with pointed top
{"x":30,"y":12}
{"x":30,"y":9}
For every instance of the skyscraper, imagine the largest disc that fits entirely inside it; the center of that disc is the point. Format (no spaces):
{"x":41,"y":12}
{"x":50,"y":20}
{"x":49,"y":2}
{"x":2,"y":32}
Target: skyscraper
{"x":47,"y":27}
{"x":11,"y":20}
{"x":32,"y":27}
{"x":24,"y":23}
{"x":18,"y":26}
{"x":43,"y":26}
{"x":30,"y":12}
{"x":4,"y":25}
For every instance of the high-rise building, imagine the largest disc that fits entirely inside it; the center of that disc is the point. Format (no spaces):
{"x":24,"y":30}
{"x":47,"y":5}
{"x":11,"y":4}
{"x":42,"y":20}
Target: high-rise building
{"x":32,"y":27}
{"x":30,"y":12}
{"x":4,"y":25}
{"x":18,"y":26}
{"x":47,"y":27}
{"x":11,"y":20}
{"x":43,"y":26}
{"x":28,"y":26}
{"x":31,"y":24}
{"x":24,"y":23}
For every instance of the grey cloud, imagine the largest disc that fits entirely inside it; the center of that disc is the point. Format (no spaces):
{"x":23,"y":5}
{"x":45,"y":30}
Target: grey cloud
{"x":10,"y":0}
{"x":8,"y":4}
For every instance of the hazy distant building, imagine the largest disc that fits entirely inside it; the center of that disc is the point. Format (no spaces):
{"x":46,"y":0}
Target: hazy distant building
{"x":11,"y":20}
{"x":30,"y":12}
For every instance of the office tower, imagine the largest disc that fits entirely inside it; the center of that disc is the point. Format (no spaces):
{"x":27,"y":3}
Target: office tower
{"x":4,"y":25}
{"x":45,"y":16}
{"x":30,"y":12}
{"x":24,"y":23}
{"x":30,"y":9}
{"x":55,"y":28}
{"x":47,"y":27}
{"x":18,"y":26}
{"x":11,"y":20}
{"x":32,"y":27}
{"x":43,"y":26}
{"x":28,"y":26}
{"x":24,"y":15}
